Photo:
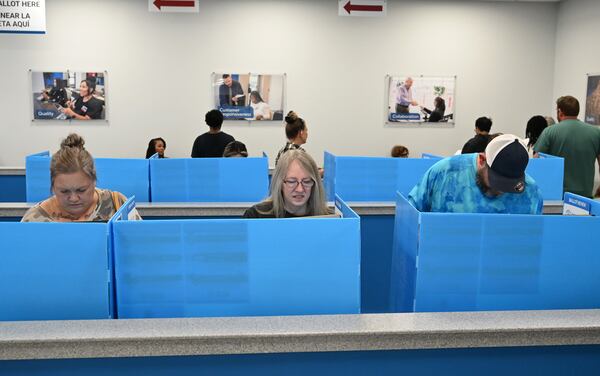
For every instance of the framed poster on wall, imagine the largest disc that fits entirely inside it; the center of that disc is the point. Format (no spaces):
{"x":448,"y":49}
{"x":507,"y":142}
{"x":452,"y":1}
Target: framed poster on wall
{"x":249,"y":96}
{"x":592,"y":100}
{"x":420,"y":100}
{"x":68,"y":95}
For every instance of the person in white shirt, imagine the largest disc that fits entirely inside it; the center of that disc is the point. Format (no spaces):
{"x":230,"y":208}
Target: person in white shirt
{"x":262,"y":111}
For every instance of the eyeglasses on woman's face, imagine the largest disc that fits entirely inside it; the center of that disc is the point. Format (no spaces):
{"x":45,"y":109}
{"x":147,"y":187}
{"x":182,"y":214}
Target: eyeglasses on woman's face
{"x":293,"y":183}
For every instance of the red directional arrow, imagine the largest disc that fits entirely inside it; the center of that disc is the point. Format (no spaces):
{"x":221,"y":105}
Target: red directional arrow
{"x":362,"y":8}
{"x":173,"y":3}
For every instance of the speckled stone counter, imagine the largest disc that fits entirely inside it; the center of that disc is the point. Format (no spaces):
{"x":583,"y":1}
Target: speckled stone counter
{"x":256,"y":335}
{"x":12,"y":171}
{"x":233,"y":209}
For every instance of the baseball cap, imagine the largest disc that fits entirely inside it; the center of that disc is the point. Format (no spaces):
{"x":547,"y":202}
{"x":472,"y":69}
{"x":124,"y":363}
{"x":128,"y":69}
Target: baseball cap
{"x":507,"y":159}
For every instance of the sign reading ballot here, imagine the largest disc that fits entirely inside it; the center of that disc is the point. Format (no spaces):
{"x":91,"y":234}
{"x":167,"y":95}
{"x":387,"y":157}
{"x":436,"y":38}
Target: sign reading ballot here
{"x":23,"y":16}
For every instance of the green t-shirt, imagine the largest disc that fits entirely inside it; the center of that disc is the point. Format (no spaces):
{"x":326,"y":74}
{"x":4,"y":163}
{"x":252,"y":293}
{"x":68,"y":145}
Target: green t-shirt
{"x":579,"y":144}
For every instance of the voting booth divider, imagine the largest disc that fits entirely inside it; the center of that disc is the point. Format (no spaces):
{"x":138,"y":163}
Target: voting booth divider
{"x":165,"y":180}
{"x":209,"y":179}
{"x":373,"y":178}
{"x":238,"y":267}
{"x":128,"y":176}
{"x":473,"y":262}
{"x":180,"y":268}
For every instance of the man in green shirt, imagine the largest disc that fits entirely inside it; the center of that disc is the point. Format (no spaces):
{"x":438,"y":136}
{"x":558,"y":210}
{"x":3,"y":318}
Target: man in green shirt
{"x":577,"y":142}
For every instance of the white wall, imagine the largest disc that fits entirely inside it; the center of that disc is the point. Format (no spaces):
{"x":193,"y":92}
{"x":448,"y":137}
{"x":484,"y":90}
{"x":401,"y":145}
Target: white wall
{"x":159,"y":69}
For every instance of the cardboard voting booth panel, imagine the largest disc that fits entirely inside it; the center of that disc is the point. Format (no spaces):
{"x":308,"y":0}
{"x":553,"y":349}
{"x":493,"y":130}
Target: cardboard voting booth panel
{"x":128,"y":176}
{"x":373,"y":178}
{"x":209,"y":179}
{"x":238,"y":267}
{"x":472,"y":262}
{"x":54,"y":271}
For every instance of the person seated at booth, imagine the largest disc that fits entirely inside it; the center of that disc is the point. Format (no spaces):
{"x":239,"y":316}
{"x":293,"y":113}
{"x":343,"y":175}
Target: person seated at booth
{"x":235,"y":149}
{"x":399,"y":151}
{"x":156,"y":145}
{"x":296,"y":190}
{"x":212,"y":143}
{"x":490,"y":182}
{"x":478,"y":143}
{"x":73,"y":182}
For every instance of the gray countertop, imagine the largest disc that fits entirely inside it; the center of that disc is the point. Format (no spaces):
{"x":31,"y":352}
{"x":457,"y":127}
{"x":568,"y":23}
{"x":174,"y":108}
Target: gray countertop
{"x":233,"y":209}
{"x":253,"y":335}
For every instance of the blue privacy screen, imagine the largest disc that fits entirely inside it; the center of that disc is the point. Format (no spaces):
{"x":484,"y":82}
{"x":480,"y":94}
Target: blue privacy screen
{"x":472,"y":262}
{"x":209,"y":179}
{"x":54,"y":271}
{"x":237,"y":267}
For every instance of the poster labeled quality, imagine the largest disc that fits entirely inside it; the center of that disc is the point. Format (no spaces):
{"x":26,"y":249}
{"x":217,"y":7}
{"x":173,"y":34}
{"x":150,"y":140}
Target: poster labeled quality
{"x":20,"y":16}
{"x":592,"y":103}
{"x":420,"y":100}
{"x":249,"y":96}
{"x":68,"y":95}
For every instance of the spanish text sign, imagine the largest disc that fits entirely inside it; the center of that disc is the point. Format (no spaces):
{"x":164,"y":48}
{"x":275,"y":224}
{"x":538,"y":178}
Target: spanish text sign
{"x":23,"y":16}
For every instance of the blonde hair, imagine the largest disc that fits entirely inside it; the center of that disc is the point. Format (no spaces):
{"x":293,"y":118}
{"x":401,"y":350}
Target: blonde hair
{"x":71,"y":158}
{"x":317,"y":202}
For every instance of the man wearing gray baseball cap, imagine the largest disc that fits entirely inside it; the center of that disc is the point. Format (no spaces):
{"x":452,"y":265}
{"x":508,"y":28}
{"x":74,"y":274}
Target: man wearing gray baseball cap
{"x":490,"y":182}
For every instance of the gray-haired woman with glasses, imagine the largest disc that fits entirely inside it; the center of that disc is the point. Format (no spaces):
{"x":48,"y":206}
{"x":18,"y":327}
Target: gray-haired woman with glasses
{"x":296,"y":190}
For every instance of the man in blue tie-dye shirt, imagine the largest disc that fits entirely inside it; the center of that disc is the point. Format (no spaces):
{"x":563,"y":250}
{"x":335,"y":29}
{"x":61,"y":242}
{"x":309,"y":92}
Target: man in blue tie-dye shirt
{"x":490,"y":182}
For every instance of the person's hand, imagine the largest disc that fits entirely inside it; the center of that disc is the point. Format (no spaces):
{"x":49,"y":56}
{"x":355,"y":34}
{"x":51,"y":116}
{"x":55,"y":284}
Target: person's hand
{"x":414,"y":103}
{"x":234,"y":99}
{"x":259,"y":117}
{"x":67,"y":111}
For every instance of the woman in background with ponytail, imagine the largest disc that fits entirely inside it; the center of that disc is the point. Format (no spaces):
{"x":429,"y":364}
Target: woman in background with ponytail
{"x":296,"y":132}
{"x":73,"y":183}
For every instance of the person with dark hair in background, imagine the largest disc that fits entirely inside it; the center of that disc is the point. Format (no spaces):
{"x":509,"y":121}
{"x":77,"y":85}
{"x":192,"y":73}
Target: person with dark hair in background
{"x":478,"y":143}
{"x":73,"y":183}
{"x":399,"y":151}
{"x":212,"y":143}
{"x":235,"y":149}
{"x":231,"y":92}
{"x":86,"y":106}
{"x":296,"y":132}
{"x":262,"y":111}
{"x":438,"y":112}
{"x":535,"y":127}
{"x":156,"y":145}
{"x":577,"y":142}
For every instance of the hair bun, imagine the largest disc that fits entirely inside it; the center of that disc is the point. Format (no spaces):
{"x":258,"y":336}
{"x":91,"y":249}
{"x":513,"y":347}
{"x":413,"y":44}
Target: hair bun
{"x":291,"y":117}
{"x":72,"y":141}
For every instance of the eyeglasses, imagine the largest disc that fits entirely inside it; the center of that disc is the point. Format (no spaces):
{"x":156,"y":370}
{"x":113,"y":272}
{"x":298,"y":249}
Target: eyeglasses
{"x":293,"y":183}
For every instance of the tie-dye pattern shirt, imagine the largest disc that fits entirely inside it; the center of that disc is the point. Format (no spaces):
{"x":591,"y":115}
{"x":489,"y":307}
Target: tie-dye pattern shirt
{"x":450,"y":186}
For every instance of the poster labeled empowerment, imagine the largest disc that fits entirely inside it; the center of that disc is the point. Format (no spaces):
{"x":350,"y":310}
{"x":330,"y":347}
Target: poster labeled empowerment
{"x":416,"y":100}
{"x":68,"y":95}
{"x":249,"y":96}
{"x":592,"y":102}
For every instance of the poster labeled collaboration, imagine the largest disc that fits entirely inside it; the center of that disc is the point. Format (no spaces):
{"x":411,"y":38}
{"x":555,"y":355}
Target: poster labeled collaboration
{"x":68,"y":95}
{"x":420,"y":100}
{"x":249,"y":96}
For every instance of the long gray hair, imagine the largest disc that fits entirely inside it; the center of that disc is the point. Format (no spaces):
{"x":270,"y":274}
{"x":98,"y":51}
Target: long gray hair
{"x":317,"y":202}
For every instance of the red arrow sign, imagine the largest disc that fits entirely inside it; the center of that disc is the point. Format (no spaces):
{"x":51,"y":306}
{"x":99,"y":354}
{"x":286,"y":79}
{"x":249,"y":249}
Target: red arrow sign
{"x":362,"y":8}
{"x":173,"y":3}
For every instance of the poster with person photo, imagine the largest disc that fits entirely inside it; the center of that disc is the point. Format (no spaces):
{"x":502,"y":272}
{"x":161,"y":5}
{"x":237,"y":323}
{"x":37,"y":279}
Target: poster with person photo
{"x":420,"y":100}
{"x":249,"y":96}
{"x":592,"y":102}
{"x":68,"y":95}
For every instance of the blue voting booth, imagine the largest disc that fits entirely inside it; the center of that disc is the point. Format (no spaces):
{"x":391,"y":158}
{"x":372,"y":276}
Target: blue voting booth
{"x":472,"y":262}
{"x":373,"y":178}
{"x":209,"y":179}
{"x":54,"y":271}
{"x":128,"y":176}
{"x":238,"y":267}
{"x":548,"y":172}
